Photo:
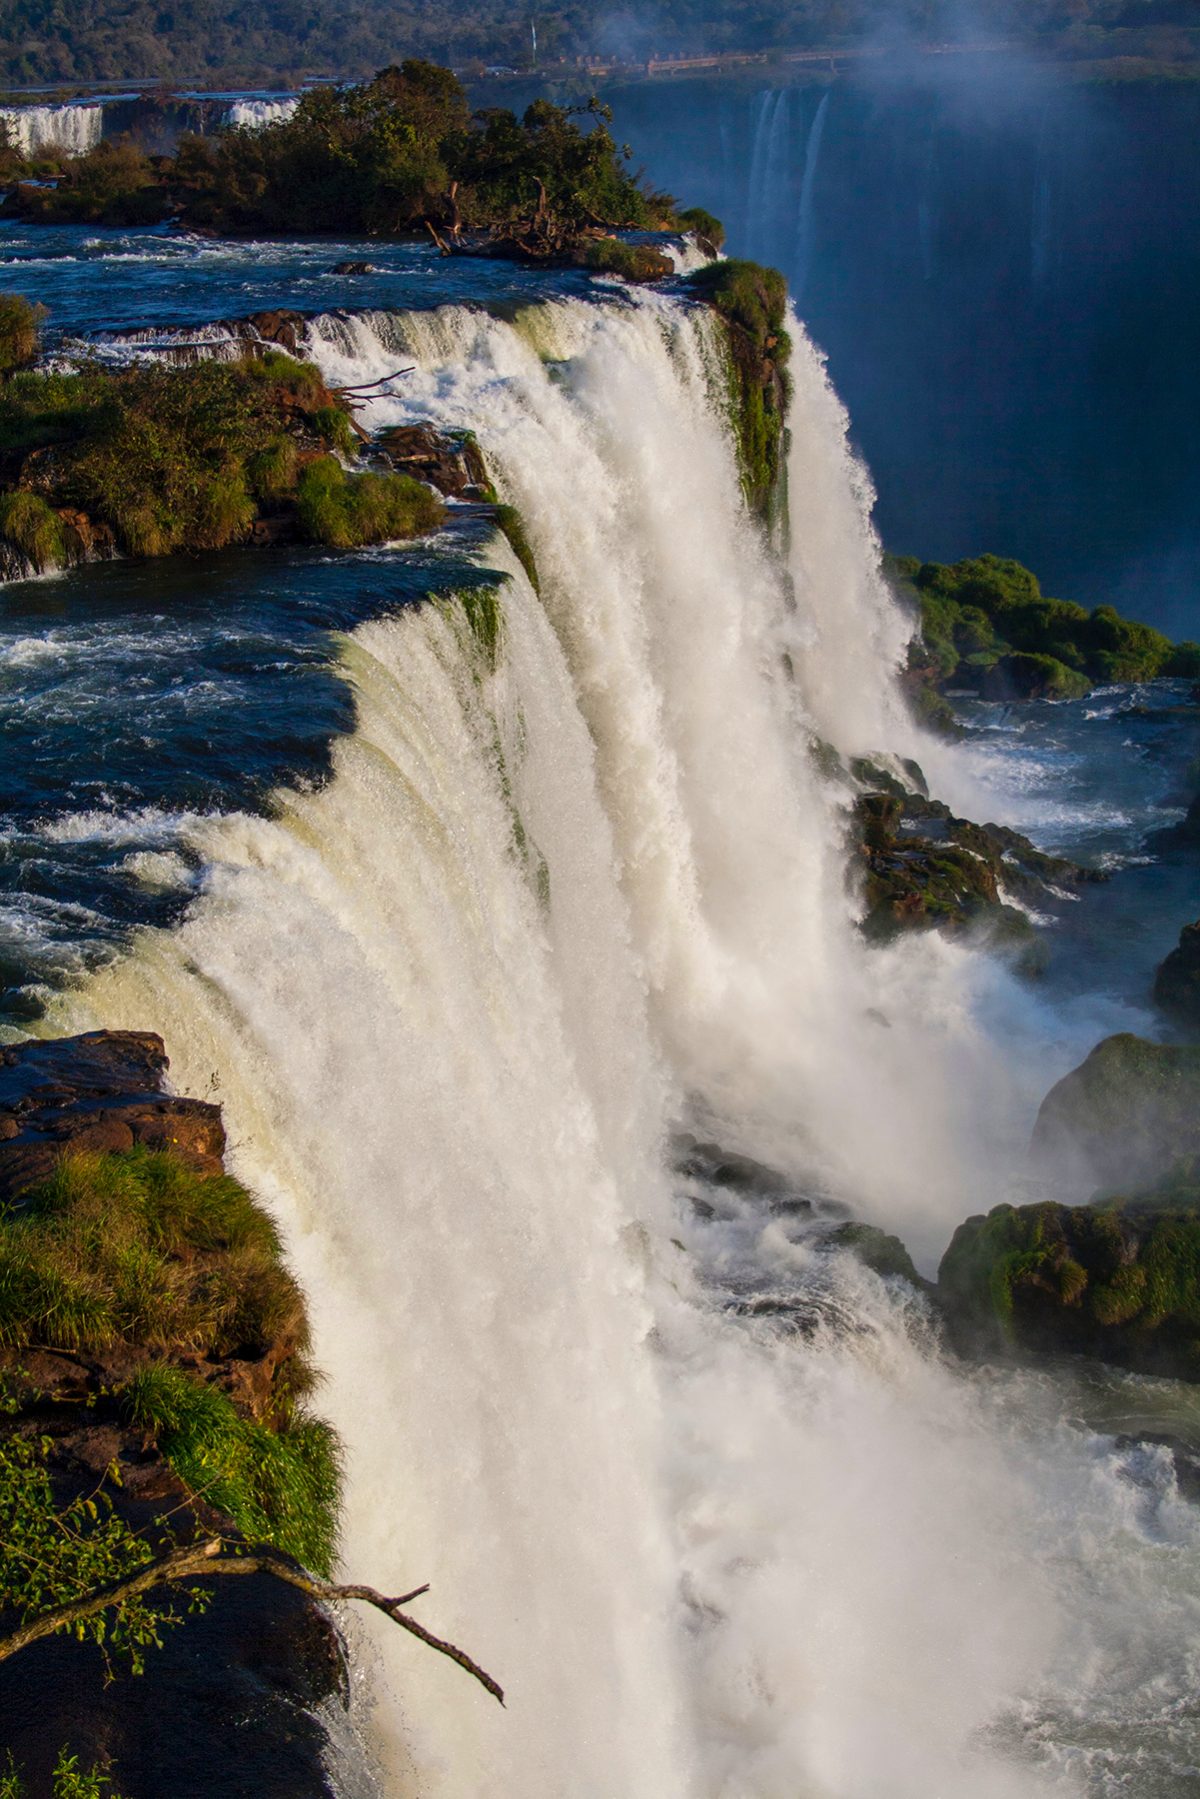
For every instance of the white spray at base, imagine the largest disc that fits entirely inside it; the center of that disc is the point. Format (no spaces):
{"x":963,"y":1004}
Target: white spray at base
{"x":713,"y":1549}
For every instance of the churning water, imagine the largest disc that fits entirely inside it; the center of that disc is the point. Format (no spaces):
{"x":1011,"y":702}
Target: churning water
{"x":705,"y":1494}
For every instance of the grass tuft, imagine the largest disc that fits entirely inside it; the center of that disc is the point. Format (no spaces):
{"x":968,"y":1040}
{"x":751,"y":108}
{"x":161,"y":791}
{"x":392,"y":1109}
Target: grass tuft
{"x":280,"y":1487}
{"x":139,"y":1249}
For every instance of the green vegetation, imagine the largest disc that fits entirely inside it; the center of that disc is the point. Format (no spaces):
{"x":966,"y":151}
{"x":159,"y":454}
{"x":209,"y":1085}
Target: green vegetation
{"x":1130,"y":1109}
{"x":153,"y":459}
{"x":276,"y":1486}
{"x":19,"y":325}
{"x":632,"y":262}
{"x":237,"y":41}
{"x":513,"y":526}
{"x":399,"y":153}
{"x":987,"y":626}
{"x":70,"y":1780}
{"x":705,"y":226}
{"x":752,"y":301}
{"x":1120,"y":1279}
{"x":345,"y":511}
{"x":52,"y":1554}
{"x":138,"y":1249}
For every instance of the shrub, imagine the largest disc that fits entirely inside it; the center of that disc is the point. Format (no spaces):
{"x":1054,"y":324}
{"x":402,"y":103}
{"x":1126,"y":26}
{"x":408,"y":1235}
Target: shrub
{"x":20,"y":328}
{"x":345,"y":511}
{"x":632,"y":262}
{"x":280,"y":1487}
{"x":51,"y":1556}
{"x":139,"y":1249}
{"x":33,"y":528}
{"x":704,"y":226}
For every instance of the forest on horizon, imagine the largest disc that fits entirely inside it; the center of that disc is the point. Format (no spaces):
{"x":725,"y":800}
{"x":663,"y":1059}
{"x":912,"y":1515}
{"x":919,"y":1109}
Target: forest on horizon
{"x":61,"y":42}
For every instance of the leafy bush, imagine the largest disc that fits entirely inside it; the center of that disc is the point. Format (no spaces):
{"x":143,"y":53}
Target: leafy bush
{"x":704,"y":226}
{"x":281,"y":1487}
{"x":34,"y":529}
{"x":986,"y":614}
{"x":632,"y":262}
{"x":345,"y":511}
{"x":20,"y":326}
{"x":50,"y":1556}
{"x":382,"y":156}
{"x":139,"y":1249}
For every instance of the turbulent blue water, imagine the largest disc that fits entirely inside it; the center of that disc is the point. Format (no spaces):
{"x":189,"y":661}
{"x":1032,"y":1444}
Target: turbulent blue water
{"x":96,"y":279}
{"x":134,"y":697}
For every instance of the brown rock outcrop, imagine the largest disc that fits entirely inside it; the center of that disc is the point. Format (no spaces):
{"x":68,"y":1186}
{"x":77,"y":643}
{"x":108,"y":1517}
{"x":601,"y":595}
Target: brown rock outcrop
{"x":99,"y":1091}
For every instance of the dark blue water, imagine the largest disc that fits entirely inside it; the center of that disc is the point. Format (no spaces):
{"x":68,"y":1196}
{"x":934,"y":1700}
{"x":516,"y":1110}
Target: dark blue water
{"x":1099,"y":780}
{"x":96,"y":279}
{"x":135,"y":697}
{"x":1003,"y":267}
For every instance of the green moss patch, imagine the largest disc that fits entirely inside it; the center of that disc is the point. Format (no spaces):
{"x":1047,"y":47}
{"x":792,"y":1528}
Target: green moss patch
{"x":1119,"y":1279}
{"x":752,"y":302}
{"x":347,"y":510}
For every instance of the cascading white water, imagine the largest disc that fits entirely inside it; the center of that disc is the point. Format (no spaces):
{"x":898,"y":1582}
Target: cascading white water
{"x":254,"y":114}
{"x":709,"y":1556}
{"x":73,"y":128}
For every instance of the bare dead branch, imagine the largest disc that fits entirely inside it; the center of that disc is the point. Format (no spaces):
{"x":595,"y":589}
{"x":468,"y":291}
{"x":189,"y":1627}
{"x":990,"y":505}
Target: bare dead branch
{"x":216,"y":1558}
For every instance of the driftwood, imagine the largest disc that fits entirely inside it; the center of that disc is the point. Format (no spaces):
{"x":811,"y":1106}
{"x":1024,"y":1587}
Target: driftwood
{"x":208,"y":1559}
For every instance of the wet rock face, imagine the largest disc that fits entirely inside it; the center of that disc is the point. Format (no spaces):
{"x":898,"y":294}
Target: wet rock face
{"x":1177,"y":982}
{"x":99,"y":1091}
{"x":454,"y":465}
{"x":1124,"y":1117}
{"x":225,"y":1708}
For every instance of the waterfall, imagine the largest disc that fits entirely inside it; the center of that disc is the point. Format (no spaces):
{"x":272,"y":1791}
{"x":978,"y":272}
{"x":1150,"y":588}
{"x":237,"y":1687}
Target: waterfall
{"x":758,"y":191}
{"x":702,"y":1494}
{"x":805,"y":225}
{"x":33,"y":129}
{"x":254,"y":114}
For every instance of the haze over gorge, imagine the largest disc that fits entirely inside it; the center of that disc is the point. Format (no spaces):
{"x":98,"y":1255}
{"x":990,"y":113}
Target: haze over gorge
{"x":598,"y":1070}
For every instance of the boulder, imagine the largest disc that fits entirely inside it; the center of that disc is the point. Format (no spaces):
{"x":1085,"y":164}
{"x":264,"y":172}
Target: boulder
{"x":99,"y":1091}
{"x":1177,"y":981}
{"x":1124,"y":1117}
{"x":1118,"y":1280}
{"x":353,"y":268}
{"x":454,"y":465}
{"x":1027,"y":676}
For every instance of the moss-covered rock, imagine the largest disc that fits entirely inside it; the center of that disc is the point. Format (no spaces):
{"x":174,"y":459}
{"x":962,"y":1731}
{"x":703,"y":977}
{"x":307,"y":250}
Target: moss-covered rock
{"x":1119,"y":1280}
{"x":882,"y":1253}
{"x":752,"y":302}
{"x":1177,"y":980}
{"x":925,"y":868}
{"x":639,"y":263}
{"x":1124,"y":1116}
{"x":986,"y":627}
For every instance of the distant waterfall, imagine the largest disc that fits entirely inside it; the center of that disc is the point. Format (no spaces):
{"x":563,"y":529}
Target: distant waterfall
{"x":254,"y":114}
{"x":704,"y":1496}
{"x":806,"y":223}
{"x":75,"y":129}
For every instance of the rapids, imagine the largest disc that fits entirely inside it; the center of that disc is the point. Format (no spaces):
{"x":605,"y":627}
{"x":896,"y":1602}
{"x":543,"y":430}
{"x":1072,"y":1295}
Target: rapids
{"x":706,"y":1496}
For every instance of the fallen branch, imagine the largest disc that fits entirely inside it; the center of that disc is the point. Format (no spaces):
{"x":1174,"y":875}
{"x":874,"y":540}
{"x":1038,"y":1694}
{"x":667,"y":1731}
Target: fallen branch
{"x":205,"y":1560}
{"x":363,"y":387}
